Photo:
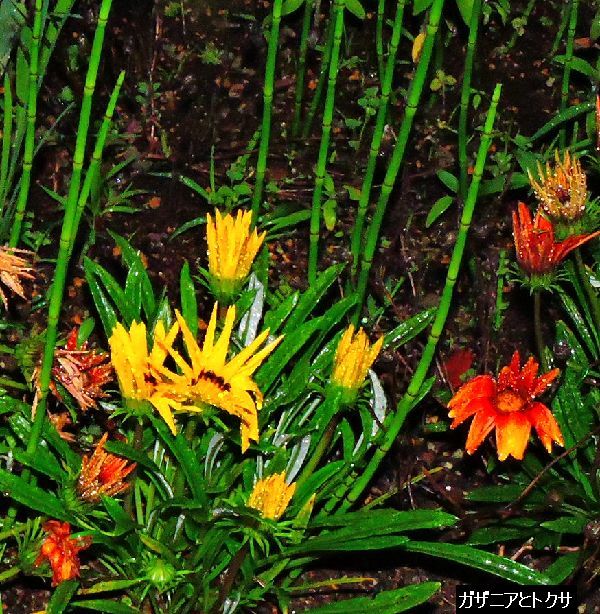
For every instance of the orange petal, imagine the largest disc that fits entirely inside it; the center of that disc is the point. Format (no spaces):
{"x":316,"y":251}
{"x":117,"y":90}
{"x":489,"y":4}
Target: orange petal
{"x":512,"y":434}
{"x":467,"y":409}
{"x":478,"y":387}
{"x":543,"y":381}
{"x":545,"y":425}
{"x":481,"y":427}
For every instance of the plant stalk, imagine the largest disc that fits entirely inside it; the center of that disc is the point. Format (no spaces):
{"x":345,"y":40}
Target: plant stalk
{"x":315,"y":218}
{"x":537,"y":328}
{"x":407,"y":402}
{"x":263,"y":150}
{"x":564,"y":93}
{"x":301,"y":71}
{"x":412,"y":104}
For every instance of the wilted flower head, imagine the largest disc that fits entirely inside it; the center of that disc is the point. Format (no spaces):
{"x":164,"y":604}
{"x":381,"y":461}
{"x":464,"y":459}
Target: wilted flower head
{"x":562,"y":190}
{"x":508,"y":405}
{"x":271,"y":496}
{"x":83,"y":372}
{"x":232,"y":248}
{"x":353,"y":359}
{"x":103,"y":474}
{"x":538,"y":253}
{"x":15,"y":266}
{"x":210,"y":379}
{"x":61,"y":551}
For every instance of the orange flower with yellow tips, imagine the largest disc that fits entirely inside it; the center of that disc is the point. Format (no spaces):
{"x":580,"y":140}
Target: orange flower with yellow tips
{"x":538,"y":252}
{"x":271,"y":496}
{"x":232,"y":248}
{"x":103,"y":474}
{"x":507,"y":404}
{"x":562,"y":190}
{"x":353,"y":359}
{"x":211,"y":379}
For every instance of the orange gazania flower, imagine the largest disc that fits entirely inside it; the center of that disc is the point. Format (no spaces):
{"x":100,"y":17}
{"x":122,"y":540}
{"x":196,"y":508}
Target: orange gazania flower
{"x":507,"y":405}
{"x":537,"y":251}
{"x":83,"y":372}
{"x":61,"y":551}
{"x":102,"y":474}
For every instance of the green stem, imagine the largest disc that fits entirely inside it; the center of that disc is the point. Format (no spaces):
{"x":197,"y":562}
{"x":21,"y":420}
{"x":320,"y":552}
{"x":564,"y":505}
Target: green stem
{"x":464,"y":100}
{"x":379,"y":37}
{"x":265,"y":135}
{"x":7,"y":125}
{"x":32,"y":93}
{"x":407,"y":402}
{"x":386,"y":88}
{"x":301,"y":71}
{"x":412,"y":103}
{"x":136,"y":444}
{"x":315,"y":218}
{"x":5,"y":381}
{"x":537,"y":328}
{"x":564,"y":94}
{"x":325,"y":59}
{"x":94,"y":167}
{"x":69,"y":228}
{"x":588,"y":288}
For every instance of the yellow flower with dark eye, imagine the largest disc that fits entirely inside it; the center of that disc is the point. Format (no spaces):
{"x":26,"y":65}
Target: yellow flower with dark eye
{"x":141,"y":373}
{"x":271,"y":496}
{"x":211,"y":379}
{"x":353,"y":359}
{"x":232,"y":248}
{"x":562,"y":190}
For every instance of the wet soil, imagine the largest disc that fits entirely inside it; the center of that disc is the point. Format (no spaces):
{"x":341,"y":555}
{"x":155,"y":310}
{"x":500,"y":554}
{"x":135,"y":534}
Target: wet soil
{"x":193,"y":93}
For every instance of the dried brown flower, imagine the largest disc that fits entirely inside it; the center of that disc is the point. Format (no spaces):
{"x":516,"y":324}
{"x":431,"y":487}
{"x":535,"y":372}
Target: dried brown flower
{"x":15,"y":266}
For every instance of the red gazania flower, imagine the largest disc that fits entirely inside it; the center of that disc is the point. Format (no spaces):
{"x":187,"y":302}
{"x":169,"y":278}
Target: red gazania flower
{"x":537,"y":251}
{"x":61,"y":551}
{"x":103,"y":474}
{"x":508,"y":405}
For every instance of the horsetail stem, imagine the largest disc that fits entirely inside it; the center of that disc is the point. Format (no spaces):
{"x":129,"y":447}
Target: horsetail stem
{"x":465,"y":96}
{"x":386,"y":88}
{"x":379,"y":37}
{"x":69,"y":227}
{"x":7,"y":125}
{"x":32,"y":93}
{"x":94,"y":167}
{"x":315,"y":217}
{"x":412,"y":103}
{"x":265,"y":135}
{"x":419,"y":376}
{"x":325,"y":59}
{"x":301,"y":72}
{"x":564,"y":93}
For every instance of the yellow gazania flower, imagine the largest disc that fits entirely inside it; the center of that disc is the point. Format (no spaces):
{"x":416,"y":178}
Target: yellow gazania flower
{"x":140,"y":373}
{"x":211,"y":379}
{"x":353,"y":359}
{"x":562,"y":190}
{"x":271,"y":496}
{"x":231,"y":252}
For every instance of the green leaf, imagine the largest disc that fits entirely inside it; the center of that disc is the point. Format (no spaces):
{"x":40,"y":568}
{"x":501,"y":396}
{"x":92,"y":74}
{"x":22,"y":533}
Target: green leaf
{"x":449,"y":180}
{"x":106,"y":606}
{"x":421,"y":5}
{"x":409,"y":329}
{"x":330,"y":214}
{"x":480,"y":559}
{"x":566,"y":116}
{"x":186,"y":458}
{"x":373,"y":520}
{"x":579,"y":65}
{"x":356,"y":8}
{"x":114,"y":290}
{"x":122,"y":520}
{"x":387,"y":602}
{"x":61,"y":597}
{"x":108,"y":586}
{"x":566,"y":524}
{"x":289,"y":6}
{"x":440,"y":205}
{"x":38,"y":499}
{"x":466,"y":8}
{"x":104,"y":307}
{"x":563,"y":567}
{"x":189,"y":304}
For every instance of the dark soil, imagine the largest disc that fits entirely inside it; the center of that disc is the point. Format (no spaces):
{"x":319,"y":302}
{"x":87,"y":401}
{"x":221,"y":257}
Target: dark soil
{"x":200,"y":107}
